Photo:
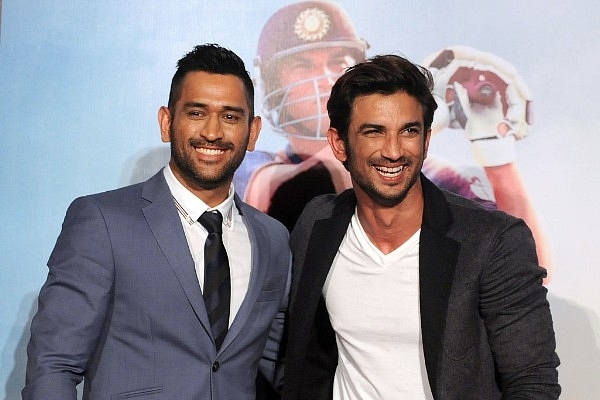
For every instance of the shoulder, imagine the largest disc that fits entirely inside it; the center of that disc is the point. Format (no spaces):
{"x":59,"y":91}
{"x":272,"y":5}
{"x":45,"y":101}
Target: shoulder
{"x":317,"y":208}
{"x":325,"y":205}
{"x":444,"y":209}
{"x":127,"y":199}
{"x":110,"y":198}
{"x":469,"y":212}
{"x":468,"y":222}
{"x":490,"y":234}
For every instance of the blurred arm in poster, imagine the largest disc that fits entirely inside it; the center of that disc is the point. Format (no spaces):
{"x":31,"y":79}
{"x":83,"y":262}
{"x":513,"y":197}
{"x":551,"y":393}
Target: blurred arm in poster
{"x":485,"y":96}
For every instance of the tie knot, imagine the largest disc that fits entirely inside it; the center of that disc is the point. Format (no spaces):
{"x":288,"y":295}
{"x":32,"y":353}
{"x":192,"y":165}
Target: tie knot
{"x":212,"y":221}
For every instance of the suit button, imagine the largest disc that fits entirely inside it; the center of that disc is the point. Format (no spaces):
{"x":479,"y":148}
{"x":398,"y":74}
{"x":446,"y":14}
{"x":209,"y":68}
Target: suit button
{"x":215,"y":366}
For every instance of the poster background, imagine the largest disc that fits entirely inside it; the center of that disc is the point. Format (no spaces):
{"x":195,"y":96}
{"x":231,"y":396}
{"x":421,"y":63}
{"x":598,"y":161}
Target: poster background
{"x":81,"y":83}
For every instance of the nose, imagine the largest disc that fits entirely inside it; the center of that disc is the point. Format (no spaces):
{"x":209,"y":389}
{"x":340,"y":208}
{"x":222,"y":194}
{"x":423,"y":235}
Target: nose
{"x":392,"y":147}
{"x":212,"y":128}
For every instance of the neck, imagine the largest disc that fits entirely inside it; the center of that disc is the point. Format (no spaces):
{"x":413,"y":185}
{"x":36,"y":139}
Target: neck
{"x":390,"y":227}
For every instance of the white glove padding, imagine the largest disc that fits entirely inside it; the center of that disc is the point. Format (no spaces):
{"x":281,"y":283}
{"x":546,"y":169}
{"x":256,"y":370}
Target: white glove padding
{"x":483,"y":75}
{"x":493,"y":142}
{"x":441,"y":117}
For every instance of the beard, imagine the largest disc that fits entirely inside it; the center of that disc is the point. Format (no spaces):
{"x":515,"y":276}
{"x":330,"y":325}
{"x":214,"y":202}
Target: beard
{"x":395,"y":194}
{"x":182,"y":154}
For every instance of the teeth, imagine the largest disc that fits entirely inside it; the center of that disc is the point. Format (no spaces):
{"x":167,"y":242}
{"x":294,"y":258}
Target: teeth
{"x":389,"y":171}
{"x":210,"y":152}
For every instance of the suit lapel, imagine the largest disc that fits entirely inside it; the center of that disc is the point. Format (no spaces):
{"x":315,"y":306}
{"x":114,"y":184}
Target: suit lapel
{"x":319,"y":258}
{"x":324,"y":241}
{"x":162,"y":218}
{"x":258,"y":271}
{"x":437,"y":263}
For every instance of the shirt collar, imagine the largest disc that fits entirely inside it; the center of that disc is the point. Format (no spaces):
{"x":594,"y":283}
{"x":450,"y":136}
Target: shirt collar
{"x":191,"y":207}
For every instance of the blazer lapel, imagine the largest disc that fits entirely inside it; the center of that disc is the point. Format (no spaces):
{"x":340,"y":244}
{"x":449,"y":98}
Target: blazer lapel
{"x":437,"y":262}
{"x":163,"y":219}
{"x":325,"y":239}
{"x":258,"y":272}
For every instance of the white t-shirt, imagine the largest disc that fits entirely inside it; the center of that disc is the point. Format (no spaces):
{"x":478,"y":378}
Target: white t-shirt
{"x":373,"y":304}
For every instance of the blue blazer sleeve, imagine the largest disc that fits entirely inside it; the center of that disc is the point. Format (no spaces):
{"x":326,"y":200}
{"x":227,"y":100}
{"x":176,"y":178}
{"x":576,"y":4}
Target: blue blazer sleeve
{"x":80,"y":279}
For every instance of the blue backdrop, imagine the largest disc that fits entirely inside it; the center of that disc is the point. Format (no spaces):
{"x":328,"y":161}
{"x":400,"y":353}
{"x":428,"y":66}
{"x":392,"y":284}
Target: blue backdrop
{"x":81,"y":83}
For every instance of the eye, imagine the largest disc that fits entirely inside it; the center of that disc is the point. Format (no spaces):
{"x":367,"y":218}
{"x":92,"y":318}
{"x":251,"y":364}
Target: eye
{"x":411,"y":131}
{"x":231,"y":117}
{"x":195,"y":114}
{"x":372,"y":132}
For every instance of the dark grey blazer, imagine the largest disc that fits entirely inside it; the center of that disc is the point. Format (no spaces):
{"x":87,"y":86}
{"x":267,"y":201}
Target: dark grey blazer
{"x":486,"y":324}
{"x":122,"y":306}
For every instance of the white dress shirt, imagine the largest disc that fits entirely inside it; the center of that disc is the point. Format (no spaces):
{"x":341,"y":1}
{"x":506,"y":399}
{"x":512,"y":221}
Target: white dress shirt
{"x":235,"y":237}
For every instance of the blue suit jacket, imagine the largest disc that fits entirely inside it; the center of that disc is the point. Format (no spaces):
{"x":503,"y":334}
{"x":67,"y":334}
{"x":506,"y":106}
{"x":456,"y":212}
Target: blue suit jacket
{"x":485,"y":321}
{"x":122,"y":306}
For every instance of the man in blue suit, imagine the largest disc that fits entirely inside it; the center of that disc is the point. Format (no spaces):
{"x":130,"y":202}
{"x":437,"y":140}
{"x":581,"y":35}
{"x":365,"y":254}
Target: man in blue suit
{"x":123,"y":306}
{"x":402,"y":290}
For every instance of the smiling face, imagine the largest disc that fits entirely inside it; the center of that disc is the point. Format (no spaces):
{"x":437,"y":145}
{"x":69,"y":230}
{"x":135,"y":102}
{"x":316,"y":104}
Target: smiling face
{"x":385,"y":149}
{"x":210,"y":131}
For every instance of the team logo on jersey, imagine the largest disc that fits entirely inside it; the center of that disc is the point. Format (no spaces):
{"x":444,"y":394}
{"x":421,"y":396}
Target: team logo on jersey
{"x":312,"y":24}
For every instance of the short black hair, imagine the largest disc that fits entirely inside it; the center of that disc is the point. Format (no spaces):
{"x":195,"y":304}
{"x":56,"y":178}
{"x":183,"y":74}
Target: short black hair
{"x":213,"y":59}
{"x":383,"y":74}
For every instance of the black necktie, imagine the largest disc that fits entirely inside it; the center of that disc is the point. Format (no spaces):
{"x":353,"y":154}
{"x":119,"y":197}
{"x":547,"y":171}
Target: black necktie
{"x":217,"y":283}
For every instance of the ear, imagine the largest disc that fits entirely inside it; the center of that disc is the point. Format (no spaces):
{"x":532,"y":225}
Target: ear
{"x":337,"y":144}
{"x":164,"y":122}
{"x":253,"y":133}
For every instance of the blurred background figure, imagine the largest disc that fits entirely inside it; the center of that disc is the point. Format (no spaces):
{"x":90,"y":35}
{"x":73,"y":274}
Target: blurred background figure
{"x":302,"y":50}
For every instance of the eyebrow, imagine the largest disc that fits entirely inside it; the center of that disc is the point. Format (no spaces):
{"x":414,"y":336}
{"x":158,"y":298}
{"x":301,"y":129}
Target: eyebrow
{"x":380,"y":127}
{"x":194,"y":104}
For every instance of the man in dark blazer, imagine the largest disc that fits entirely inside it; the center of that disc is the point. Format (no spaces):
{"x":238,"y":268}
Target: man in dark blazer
{"x":123,"y":306}
{"x":400,"y":289}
